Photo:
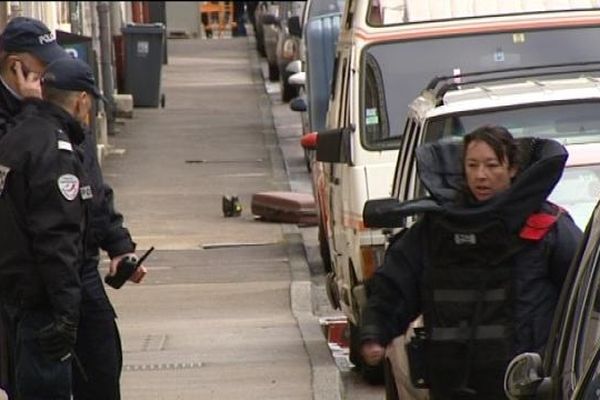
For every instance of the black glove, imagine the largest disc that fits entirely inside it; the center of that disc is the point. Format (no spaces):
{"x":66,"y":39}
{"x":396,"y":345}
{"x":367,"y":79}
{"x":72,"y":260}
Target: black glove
{"x":58,"y":338}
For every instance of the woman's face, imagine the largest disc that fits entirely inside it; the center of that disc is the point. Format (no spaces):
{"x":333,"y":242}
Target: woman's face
{"x":486,"y":175}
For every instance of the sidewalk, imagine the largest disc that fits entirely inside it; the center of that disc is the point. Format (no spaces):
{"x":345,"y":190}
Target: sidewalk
{"x":218,"y":323}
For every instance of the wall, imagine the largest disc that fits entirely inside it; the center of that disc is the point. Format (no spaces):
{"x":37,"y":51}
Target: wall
{"x":183,"y":17}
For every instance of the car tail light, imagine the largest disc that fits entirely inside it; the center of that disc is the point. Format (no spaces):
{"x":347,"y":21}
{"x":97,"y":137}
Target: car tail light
{"x":309,"y":141}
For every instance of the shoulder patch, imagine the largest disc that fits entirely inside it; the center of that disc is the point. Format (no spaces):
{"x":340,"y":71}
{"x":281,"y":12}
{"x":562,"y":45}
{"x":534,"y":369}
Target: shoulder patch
{"x":538,"y":225}
{"x":68,"y":185}
{"x":3,"y":174}
{"x":86,"y":192}
{"x":64,"y":145}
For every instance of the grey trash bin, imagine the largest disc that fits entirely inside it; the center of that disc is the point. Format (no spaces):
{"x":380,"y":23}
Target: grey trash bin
{"x":144,"y":46}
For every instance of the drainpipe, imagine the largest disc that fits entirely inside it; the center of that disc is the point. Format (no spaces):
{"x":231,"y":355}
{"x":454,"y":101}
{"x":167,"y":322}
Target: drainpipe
{"x":76,"y":23}
{"x":106,"y":63}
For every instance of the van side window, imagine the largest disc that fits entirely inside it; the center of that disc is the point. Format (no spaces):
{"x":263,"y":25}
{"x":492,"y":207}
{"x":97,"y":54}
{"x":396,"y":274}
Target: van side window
{"x":375,"y":112}
{"x":334,"y":77}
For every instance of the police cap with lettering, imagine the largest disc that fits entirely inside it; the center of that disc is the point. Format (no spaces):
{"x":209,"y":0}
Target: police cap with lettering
{"x":28,"y":35}
{"x":71,"y":74}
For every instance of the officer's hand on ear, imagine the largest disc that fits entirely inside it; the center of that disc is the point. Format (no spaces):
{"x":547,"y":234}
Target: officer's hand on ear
{"x":137,"y":276}
{"x":58,"y":338}
{"x":28,"y":83}
{"x":372,"y":352}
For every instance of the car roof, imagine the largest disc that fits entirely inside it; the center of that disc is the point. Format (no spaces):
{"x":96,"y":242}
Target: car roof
{"x":530,"y":91}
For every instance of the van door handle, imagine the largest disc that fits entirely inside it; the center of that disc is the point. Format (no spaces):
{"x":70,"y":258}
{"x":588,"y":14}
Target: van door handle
{"x":336,"y":181}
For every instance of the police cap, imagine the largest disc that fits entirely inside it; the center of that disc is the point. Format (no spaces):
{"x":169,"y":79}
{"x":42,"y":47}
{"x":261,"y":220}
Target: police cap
{"x":71,"y":74}
{"x":28,"y":35}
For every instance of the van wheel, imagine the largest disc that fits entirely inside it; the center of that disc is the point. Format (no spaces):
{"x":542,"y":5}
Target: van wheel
{"x":391,"y":391}
{"x":273,"y":72}
{"x":288,"y":92}
{"x":373,"y":375}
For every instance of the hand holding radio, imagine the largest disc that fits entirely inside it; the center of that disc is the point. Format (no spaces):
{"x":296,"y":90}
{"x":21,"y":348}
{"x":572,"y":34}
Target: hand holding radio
{"x":126,"y":267}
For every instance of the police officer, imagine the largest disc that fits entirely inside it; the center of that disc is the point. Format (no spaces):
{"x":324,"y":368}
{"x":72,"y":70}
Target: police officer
{"x":26,"y":46}
{"x":44,"y":219}
{"x":98,"y":344}
{"x":484,"y":265}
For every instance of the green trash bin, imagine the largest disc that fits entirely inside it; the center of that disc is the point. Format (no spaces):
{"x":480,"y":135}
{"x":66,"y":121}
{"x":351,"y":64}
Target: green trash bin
{"x":144,"y":46}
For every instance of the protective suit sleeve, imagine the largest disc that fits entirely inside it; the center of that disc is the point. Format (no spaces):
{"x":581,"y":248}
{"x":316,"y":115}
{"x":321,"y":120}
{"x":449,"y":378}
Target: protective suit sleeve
{"x":394,"y":290}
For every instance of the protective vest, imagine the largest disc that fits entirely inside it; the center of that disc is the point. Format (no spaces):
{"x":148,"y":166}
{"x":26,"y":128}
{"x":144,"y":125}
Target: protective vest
{"x":467,"y":303}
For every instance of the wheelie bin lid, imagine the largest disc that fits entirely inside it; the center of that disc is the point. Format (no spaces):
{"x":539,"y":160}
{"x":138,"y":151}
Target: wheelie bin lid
{"x":157,"y":27}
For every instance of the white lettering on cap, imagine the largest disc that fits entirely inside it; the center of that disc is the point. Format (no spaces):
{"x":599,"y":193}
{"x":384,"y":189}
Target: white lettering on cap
{"x":46,"y":38}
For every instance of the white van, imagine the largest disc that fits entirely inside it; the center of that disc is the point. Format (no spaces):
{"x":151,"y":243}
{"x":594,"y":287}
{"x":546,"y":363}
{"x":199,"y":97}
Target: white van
{"x":387,"y":52}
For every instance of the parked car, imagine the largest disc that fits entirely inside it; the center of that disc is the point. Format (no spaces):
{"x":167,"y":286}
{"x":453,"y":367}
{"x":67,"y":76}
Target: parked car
{"x":561,"y":108}
{"x":267,"y":17}
{"x":288,"y":44}
{"x":317,"y":55}
{"x":379,"y":70}
{"x":569,"y":369}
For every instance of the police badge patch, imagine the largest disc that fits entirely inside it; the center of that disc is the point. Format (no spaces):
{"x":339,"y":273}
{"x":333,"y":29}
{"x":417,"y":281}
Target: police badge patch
{"x":3,"y":174}
{"x":68,"y":185}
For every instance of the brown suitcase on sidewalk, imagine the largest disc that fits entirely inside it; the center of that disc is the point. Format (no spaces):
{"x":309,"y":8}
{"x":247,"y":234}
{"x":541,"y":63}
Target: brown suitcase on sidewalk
{"x":291,"y":207}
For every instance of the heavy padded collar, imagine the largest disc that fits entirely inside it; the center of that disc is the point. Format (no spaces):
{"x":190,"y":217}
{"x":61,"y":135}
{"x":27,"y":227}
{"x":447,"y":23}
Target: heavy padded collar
{"x":440,"y":169}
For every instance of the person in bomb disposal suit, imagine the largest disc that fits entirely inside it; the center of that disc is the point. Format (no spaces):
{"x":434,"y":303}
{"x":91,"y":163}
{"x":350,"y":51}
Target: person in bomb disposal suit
{"x":98,"y":343}
{"x":43,"y":191}
{"x":484,"y":264}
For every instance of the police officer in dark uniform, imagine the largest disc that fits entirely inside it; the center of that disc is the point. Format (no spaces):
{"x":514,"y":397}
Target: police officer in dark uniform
{"x":484,"y":265}
{"x":44,"y":220}
{"x":26,"y":47}
{"x":98,"y":344}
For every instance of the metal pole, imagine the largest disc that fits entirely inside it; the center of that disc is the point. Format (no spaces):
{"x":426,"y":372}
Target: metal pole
{"x":76,"y":22}
{"x":106,"y":62}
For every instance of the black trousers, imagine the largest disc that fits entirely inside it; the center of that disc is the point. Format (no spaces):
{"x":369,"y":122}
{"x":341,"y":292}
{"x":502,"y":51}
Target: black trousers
{"x":37,"y":376}
{"x":99,"y":350}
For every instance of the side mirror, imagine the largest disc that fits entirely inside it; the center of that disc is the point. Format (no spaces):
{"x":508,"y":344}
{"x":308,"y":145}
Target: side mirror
{"x":334,"y":146}
{"x":294,"y":66}
{"x":379,"y":213}
{"x":294,"y":26}
{"x":391,"y":213}
{"x":298,"y":79}
{"x":269,"y":19}
{"x":309,"y":141}
{"x":298,"y":104}
{"x":524,"y":378}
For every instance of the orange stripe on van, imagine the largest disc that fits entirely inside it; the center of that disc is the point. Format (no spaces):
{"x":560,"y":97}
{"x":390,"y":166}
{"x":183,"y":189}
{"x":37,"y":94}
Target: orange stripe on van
{"x":480,"y":27}
{"x":354,"y":222}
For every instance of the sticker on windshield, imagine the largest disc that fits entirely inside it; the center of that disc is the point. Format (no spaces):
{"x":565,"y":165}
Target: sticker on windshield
{"x":456,"y":73}
{"x":518,"y":38}
{"x":372,"y":118}
{"x":499,"y":55}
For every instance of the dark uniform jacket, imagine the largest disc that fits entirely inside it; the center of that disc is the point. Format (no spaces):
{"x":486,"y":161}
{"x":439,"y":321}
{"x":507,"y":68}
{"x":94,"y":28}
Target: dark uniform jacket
{"x":538,"y":269}
{"x":42,"y":210}
{"x":106,"y":225}
{"x":107,"y":233}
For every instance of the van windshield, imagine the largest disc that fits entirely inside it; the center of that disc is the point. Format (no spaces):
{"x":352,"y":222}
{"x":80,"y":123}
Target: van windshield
{"x":396,"y":72}
{"x":394,"y":12}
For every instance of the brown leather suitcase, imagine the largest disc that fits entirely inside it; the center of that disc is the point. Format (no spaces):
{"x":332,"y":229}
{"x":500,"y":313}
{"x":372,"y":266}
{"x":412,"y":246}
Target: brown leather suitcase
{"x":291,"y":207}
